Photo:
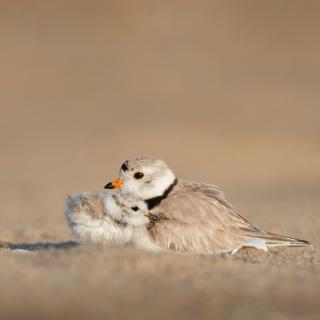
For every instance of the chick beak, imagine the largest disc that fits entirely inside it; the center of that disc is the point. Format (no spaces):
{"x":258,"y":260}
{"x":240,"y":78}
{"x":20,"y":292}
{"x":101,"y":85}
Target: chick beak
{"x":152,"y":217}
{"x":115,"y":184}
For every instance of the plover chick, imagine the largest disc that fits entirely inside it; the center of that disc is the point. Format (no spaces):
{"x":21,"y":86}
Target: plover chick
{"x":91,"y":222}
{"x":110,"y":219}
{"x":196,"y":217}
{"x":133,"y":212}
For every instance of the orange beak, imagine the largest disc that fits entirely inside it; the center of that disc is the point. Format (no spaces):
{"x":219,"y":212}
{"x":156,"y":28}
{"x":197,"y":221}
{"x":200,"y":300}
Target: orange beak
{"x":115,"y":184}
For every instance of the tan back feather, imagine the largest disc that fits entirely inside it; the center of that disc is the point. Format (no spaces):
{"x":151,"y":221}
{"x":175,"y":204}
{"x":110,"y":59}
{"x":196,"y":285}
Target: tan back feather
{"x":197,"y":218}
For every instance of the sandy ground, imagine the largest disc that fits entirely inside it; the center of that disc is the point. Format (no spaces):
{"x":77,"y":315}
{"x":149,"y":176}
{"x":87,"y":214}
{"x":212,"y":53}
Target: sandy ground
{"x":226,"y":91}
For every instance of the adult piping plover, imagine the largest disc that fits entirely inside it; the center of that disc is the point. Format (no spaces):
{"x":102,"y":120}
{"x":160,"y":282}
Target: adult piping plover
{"x":110,"y":219}
{"x":193,"y":217}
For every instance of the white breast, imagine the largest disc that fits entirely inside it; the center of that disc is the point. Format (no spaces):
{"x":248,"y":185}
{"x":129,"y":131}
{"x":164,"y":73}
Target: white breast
{"x":141,"y":239}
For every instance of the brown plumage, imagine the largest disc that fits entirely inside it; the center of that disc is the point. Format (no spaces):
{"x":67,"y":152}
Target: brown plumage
{"x":196,"y":218}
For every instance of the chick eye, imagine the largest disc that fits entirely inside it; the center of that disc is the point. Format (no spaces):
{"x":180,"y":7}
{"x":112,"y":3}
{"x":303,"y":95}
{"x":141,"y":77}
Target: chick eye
{"x":138,"y":175}
{"x":134,"y":208}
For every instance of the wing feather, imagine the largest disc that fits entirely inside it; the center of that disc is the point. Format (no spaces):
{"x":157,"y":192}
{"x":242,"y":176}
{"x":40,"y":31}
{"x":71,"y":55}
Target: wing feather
{"x":196,"y":218}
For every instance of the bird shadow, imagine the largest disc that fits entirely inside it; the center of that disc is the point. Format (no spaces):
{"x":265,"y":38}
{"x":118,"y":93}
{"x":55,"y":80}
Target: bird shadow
{"x":36,"y":246}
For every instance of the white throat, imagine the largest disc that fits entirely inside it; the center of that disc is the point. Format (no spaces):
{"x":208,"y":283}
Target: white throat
{"x":156,"y":188}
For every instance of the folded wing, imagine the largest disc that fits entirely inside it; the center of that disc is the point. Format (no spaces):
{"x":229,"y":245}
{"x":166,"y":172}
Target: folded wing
{"x":197,"y":218}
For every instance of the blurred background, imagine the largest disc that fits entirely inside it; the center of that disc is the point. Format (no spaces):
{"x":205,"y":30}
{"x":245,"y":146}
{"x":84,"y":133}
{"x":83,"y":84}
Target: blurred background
{"x":227,"y":92}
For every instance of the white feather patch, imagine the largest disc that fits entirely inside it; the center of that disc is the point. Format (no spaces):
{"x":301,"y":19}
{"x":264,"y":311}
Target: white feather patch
{"x":253,"y":243}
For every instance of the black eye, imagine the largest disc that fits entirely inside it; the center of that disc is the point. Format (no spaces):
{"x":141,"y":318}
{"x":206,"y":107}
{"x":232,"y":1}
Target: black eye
{"x":124,"y":167}
{"x":138,"y":175}
{"x":135,"y":208}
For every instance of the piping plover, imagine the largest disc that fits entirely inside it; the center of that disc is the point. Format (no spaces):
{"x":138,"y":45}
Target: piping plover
{"x":133,"y":212}
{"x":91,"y":222}
{"x":110,"y":219}
{"x":193,"y":217}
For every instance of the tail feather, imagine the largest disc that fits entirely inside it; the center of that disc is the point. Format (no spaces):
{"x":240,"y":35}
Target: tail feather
{"x":273,"y":240}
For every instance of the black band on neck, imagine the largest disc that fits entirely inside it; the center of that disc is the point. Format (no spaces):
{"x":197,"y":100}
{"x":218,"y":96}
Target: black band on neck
{"x":154,"y":202}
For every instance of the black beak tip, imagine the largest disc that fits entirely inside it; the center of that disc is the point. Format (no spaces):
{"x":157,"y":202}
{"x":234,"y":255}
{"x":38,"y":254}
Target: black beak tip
{"x":109,"y":186}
